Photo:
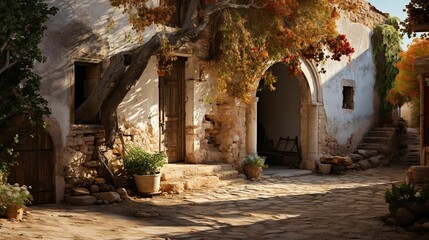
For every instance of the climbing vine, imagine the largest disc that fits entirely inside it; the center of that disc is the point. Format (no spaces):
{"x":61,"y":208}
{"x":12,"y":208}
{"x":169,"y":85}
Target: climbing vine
{"x":386,"y":41}
{"x":285,"y":31}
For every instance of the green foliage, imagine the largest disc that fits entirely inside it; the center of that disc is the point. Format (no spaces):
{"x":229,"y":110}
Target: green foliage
{"x":405,"y":195}
{"x":399,"y":196}
{"x":423,"y":194}
{"x":22,"y":25}
{"x":255,"y":160}
{"x":386,"y":41}
{"x":139,"y":162}
{"x":14,"y":196}
{"x":417,"y":13}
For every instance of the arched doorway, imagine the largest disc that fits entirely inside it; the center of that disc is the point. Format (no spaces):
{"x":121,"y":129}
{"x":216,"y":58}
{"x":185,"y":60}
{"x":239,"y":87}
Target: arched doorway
{"x":278,"y":112}
{"x":291,"y":110}
{"x":35,"y":166}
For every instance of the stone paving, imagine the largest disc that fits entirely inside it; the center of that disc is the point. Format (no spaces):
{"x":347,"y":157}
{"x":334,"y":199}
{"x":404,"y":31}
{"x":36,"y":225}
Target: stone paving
{"x":310,"y":206}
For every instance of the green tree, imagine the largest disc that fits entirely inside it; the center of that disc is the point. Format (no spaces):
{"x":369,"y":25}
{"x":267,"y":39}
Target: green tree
{"x":22,"y":24}
{"x":386,"y":41}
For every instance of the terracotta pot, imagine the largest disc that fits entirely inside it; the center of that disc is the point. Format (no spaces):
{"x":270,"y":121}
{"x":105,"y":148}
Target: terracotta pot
{"x":15,"y":213}
{"x":419,"y":173}
{"x":325,"y":168}
{"x":252,"y":171}
{"x":148,"y":184}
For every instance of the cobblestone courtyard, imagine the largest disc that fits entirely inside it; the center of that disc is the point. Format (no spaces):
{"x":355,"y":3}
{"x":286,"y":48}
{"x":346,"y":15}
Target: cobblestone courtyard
{"x":312,"y":206}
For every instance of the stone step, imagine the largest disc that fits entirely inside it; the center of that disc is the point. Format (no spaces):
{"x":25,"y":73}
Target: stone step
{"x":384,"y":129}
{"x":374,"y":139}
{"x":180,"y":177}
{"x":381,"y":148}
{"x":177,"y":171}
{"x":379,"y":134}
{"x":227,"y":174}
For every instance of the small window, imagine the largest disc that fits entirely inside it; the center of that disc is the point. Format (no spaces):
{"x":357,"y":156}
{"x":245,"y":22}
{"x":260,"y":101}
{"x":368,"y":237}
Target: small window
{"x":86,"y":77}
{"x":348,"y":97}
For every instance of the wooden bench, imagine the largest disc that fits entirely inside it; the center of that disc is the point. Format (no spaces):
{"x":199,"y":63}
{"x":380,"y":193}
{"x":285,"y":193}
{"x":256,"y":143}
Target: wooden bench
{"x":287,"y":152}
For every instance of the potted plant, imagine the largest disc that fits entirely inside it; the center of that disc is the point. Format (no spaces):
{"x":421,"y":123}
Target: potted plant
{"x":253,"y":165}
{"x":13,"y":199}
{"x":145,"y":168}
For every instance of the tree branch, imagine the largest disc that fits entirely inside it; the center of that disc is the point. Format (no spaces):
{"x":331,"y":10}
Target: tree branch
{"x":7,"y":63}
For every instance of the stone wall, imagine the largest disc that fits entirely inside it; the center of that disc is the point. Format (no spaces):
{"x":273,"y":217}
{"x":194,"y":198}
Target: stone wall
{"x":224,"y":136}
{"x":83,"y":164}
{"x":365,"y":14}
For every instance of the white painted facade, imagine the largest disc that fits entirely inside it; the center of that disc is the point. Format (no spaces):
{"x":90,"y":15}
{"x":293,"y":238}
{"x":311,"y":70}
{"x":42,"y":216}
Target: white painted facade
{"x":213,"y":132}
{"x":345,"y":125}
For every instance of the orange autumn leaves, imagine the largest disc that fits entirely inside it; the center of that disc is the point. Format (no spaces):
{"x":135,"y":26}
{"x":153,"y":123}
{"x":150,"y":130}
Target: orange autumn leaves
{"x":406,"y":85}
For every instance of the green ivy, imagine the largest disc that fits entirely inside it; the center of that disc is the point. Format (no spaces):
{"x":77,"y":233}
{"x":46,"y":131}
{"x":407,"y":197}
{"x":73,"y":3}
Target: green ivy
{"x":386,"y":42}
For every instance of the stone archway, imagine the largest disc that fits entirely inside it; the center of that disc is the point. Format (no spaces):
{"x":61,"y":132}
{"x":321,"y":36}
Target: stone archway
{"x":305,"y":99}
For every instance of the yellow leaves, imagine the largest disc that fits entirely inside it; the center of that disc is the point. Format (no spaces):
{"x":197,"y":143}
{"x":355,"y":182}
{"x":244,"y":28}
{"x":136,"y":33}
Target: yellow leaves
{"x":141,"y":14}
{"x":406,"y":84}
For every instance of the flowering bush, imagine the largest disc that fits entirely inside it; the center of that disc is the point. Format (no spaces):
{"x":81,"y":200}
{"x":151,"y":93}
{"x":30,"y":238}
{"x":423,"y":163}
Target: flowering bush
{"x":255,"y":160}
{"x":14,"y":196}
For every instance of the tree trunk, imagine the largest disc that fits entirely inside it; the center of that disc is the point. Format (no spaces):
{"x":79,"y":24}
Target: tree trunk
{"x":91,"y":107}
{"x":118,"y":80}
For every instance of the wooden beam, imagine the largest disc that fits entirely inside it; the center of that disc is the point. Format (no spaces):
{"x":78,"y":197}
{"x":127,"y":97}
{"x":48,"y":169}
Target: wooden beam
{"x":420,"y":27}
{"x":421,"y":65}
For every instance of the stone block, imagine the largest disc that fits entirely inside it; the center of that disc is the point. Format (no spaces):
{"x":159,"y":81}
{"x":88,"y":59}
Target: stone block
{"x":405,"y":217}
{"x":364,"y":164}
{"x":110,"y":197}
{"x":94,"y":188}
{"x":356,"y":157}
{"x":374,"y":161}
{"x":92,"y":164}
{"x":106,"y":188}
{"x":122,"y":193}
{"x":80,"y":191}
{"x":100,"y":180}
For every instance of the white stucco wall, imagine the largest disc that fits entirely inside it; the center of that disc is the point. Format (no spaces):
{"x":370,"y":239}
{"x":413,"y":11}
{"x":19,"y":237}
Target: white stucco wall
{"x":345,"y":125}
{"x":78,"y":31}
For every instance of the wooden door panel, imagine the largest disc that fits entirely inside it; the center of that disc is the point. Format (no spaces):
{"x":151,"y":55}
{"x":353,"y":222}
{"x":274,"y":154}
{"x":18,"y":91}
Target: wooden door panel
{"x":36,"y":167}
{"x":172,"y":111}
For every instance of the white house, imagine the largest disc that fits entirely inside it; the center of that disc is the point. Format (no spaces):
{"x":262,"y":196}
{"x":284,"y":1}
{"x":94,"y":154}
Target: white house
{"x":329,"y":113}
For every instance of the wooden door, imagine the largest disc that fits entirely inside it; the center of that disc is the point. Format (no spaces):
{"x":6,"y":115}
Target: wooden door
{"x":172,"y":111}
{"x":36,"y":167}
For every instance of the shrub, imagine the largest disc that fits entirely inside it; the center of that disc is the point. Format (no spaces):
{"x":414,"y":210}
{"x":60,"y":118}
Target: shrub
{"x":405,"y":195}
{"x":255,"y":160}
{"x":139,"y":162}
{"x":14,"y":196}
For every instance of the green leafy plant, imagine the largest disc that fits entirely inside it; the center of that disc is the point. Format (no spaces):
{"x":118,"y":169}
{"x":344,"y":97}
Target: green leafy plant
{"x":139,"y":162}
{"x":14,"y":196}
{"x":386,"y":42}
{"x":400,"y":196}
{"x":23,"y":25}
{"x":255,"y":160}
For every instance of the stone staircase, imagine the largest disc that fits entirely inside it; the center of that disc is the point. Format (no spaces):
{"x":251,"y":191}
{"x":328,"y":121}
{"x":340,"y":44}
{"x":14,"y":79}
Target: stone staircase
{"x":179,"y":177}
{"x":385,"y":140}
{"x":409,"y":148}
